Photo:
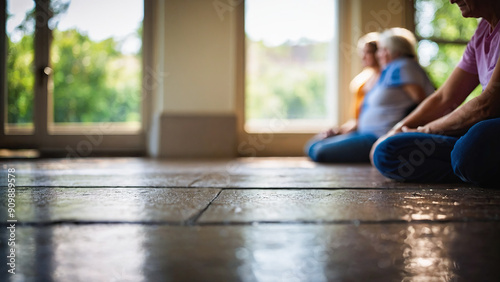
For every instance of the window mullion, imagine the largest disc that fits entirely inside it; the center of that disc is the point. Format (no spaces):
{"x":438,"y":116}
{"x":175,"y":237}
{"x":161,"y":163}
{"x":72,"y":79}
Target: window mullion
{"x":3,"y":66}
{"x":42,"y":70}
{"x":444,"y":41}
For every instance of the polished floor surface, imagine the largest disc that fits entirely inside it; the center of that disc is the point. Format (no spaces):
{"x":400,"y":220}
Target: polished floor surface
{"x":252,"y":219}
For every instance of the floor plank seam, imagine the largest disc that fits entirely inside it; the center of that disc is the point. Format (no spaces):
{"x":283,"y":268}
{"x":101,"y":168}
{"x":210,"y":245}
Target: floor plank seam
{"x":249,"y":223}
{"x":89,"y":187}
{"x":190,"y":185}
{"x":194,"y":219}
{"x":259,"y":188}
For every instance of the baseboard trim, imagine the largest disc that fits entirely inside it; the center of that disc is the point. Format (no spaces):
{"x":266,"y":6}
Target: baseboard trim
{"x":197,"y":136}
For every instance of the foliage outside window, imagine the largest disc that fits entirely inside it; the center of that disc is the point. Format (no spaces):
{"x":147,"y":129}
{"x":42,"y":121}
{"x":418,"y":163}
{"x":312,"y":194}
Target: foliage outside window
{"x":20,"y":56}
{"x":289,"y":62}
{"x":443,"y":35}
{"x":94,"y":80}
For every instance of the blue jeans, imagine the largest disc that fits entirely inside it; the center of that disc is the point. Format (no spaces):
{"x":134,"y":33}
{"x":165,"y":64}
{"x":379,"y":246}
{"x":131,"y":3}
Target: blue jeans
{"x":419,"y":157}
{"x":346,"y":148}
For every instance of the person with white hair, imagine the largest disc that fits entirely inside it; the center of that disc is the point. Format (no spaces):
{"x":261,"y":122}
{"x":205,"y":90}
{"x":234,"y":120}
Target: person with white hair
{"x":444,"y":139}
{"x":402,"y":85}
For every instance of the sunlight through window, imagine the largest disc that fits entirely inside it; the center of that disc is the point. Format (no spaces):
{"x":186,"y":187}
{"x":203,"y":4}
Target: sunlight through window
{"x":20,"y":76}
{"x":290,"y":58}
{"x":96,"y":57}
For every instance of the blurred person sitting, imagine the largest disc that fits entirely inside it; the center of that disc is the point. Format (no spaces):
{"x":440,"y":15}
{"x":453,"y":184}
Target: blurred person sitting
{"x":401,"y":86}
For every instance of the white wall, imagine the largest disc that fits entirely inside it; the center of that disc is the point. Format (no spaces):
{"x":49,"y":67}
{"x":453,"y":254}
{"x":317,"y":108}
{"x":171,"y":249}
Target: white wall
{"x":199,"y":58}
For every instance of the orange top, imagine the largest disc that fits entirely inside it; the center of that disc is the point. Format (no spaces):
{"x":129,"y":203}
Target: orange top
{"x":357,"y":89}
{"x":358,"y":102}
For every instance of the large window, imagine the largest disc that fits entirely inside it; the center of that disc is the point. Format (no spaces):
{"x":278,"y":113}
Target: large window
{"x":94,"y":61}
{"x":443,"y":35}
{"x":73,"y":67}
{"x":290,"y":59}
{"x":96,"y":58}
{"x":20,"y":75}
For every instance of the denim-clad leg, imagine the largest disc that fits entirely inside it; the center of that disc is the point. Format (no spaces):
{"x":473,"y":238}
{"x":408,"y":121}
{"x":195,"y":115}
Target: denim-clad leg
{"x":416,"y":157}
{"x":476,"y":156}
{"x":346,"y":148}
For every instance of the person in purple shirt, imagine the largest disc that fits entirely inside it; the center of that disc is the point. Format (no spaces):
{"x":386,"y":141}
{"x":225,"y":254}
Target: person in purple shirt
{"x":442,"y":140}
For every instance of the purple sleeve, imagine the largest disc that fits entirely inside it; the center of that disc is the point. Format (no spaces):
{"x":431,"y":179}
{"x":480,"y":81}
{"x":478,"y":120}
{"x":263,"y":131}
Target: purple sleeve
{"x":468,"y":61}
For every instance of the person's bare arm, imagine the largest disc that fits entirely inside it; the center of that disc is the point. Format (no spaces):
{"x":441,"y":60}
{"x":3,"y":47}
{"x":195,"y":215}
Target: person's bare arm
{"x":416,"y":92}
{"x":485,"y":106}
{"x":444,"y":101}
{"x":348,"y":127}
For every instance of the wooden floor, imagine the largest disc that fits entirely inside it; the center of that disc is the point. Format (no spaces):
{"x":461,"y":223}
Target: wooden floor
{"x":261,"y":219}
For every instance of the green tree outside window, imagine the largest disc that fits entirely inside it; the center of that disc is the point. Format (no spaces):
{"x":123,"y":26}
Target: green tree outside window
{"x":443,"y":35}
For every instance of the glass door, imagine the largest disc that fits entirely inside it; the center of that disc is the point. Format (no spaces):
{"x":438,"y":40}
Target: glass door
{"x":73,"y":76}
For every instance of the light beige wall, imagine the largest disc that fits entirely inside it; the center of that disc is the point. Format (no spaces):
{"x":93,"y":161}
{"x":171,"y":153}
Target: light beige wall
{"x":200,"y":42}
{"x":199,"y":57}
{"x":193,"y":101}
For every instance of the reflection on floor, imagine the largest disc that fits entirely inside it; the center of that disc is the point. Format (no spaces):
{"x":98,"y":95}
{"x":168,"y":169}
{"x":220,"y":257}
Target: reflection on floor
{"x":269,"y":219}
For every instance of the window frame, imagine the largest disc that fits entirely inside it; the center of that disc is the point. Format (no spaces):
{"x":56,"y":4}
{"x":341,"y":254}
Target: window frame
{"x":74,"y":141}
